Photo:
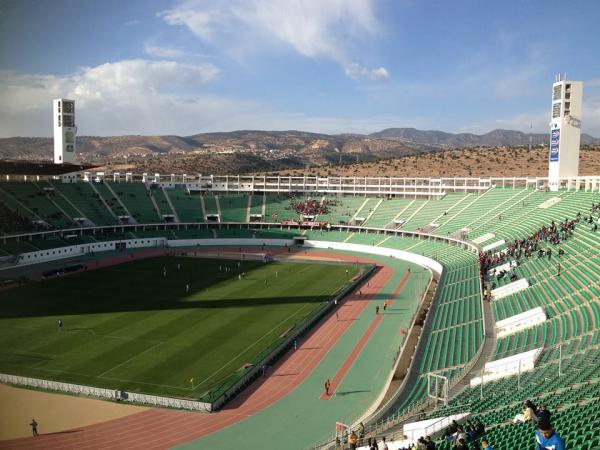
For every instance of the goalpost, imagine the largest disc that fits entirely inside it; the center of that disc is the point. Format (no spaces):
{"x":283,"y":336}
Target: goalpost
{"x":437,"y":388}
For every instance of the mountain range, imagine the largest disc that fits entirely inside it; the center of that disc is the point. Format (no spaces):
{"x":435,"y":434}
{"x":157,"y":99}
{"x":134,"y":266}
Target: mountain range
{"x":251,"y":151}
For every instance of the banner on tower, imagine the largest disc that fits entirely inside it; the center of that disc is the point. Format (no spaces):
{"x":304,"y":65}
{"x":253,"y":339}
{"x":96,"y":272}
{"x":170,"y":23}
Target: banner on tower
{"x":554,"y":144}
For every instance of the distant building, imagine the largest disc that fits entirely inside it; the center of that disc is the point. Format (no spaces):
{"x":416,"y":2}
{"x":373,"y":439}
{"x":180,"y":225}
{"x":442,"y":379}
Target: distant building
{"x":565,"y":131}
{"x":65,"y":131}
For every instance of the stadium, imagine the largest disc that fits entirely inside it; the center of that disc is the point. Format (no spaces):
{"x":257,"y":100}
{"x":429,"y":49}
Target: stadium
{"x":257,"y":289}
{"x":224,"y":303}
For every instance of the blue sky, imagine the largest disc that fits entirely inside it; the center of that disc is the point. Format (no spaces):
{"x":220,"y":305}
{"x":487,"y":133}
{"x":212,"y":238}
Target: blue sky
{"x":335,"y":66}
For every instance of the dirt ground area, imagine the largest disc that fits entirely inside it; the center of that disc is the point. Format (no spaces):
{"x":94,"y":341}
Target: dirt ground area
{"x":476,"y":162}
{"x":53,"y":412}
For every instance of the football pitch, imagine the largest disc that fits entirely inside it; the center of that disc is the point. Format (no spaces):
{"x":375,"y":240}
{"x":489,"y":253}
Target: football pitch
{"x":131,"y":327}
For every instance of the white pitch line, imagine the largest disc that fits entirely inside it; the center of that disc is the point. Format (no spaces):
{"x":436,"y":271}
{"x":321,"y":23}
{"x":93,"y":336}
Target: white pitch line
{"x":127,"y":360}
{"x":250,"y":346}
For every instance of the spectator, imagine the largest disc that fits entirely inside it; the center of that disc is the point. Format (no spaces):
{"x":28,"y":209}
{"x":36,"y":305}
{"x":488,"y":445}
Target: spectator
{"x":547,"y":439}
{"x":543,"y":415}
{"x":460,"y":444}
{"x":460,"y":434}
{"x":384,"y":445}
{"x":485,"y":445}
{"x":429,"y":444}
{"x":352,"y":440}
{"x":361,"y":431}
{"x":528,"y":413}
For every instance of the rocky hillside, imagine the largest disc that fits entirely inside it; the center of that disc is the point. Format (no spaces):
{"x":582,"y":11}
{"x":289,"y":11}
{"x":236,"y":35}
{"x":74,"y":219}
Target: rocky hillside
{"x":249,"y":151}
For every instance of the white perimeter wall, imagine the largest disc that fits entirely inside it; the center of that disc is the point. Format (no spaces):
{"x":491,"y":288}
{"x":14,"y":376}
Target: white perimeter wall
{"x":82,"y":249}
{"x":75,"y":250}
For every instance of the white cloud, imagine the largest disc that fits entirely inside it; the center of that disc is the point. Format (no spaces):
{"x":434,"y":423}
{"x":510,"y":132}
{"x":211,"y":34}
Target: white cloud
{"x":164,"y":52}
{"x":330,"y":29}
{"x":152,"y":98}
{"x":131,"y":96}
{"x":166,"y":97}
{"x":356,"y":71}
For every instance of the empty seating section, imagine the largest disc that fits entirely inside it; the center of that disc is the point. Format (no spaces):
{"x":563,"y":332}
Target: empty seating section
{"x":30,"y":201}
{"x":188,"y":206}
{"x":234,"y":233}
{"x":366,"y":238}
{"x":407,"y":213}
{"x":456,"y":322}
{"x":17,"y":247}
{"x":342,"y":209}
{"x":169,"y":234}
{"x":257,"y":202}
{"x":275,"y":234}
{"x":136,"y":198}
{"x":61,"y":202}
{"x":82,"y":197}
{"x":110,"y":199}
{"x":210,"y":204}
{"x":364,"y":210}
{"x":386,"y":212}
{"x":161,"y":201}
{"x":193,"y":233}
{"x":470,"y":211}
{"x":45,"y":244}
{"x":530,"y":198}
{"x":323,"y":235}
{"x":434,"y":211}
{"x":402,"y":244}
{"x":234,"y":208}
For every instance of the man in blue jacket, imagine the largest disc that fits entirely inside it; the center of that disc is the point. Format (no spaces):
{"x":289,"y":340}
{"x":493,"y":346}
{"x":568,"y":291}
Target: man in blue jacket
{"x":547,"y":439}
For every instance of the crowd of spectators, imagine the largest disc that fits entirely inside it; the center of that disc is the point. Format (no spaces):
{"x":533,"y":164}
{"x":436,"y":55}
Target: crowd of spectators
{"x":464,"y":437}
{"x":540,"y":418}
{"x":312,"y":207}
{"x":552,"y":234}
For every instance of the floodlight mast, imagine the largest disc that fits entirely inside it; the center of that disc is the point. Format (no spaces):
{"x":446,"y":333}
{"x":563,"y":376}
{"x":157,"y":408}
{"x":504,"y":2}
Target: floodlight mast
{"x":65,"y":131}
{"x":565,"y":130}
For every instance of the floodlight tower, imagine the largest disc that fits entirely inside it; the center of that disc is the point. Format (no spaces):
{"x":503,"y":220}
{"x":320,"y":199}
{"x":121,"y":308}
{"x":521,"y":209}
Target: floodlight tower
{"x":565,"y":130}
{"x":65,"y":130}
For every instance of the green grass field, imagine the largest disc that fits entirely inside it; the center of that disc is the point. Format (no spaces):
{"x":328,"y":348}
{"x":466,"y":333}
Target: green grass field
{"x":128,"y":327}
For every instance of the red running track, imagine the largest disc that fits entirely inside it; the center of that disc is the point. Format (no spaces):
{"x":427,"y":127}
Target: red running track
{"x":163,"y":428}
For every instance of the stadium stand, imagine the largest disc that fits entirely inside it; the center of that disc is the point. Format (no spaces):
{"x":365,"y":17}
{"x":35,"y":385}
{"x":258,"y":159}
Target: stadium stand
{"x":387,"y":211}
{"x":563,"y":281}
{"x":113,"y":203}
{"x":27,"y":199}
{"x":187,"y":206}
{"x":161,"y":202}
{"x":84,"y":199}
{"x":234,"y":208}
{"x":279,"y":208}
{"x":257,"y":204}
{"x":12,"y":222}
{"x":136,"y":199}
{"x":211,"y":204}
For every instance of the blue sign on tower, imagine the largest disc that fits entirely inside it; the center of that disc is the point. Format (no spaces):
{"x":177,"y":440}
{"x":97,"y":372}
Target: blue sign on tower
{"x":554,"y":144}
